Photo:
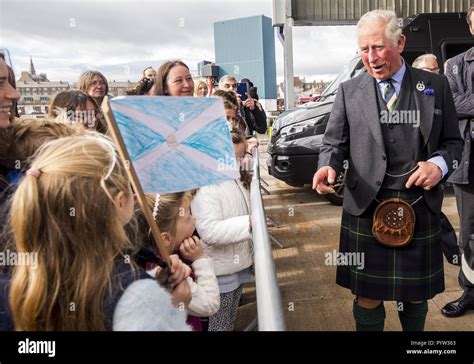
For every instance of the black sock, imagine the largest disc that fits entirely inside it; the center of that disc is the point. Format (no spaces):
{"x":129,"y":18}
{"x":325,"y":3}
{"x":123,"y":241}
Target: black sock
{"x":369,"y":319}
{"x":413,"y":316}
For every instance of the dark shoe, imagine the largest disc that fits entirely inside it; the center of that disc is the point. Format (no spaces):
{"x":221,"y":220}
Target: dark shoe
{"x":457,"y":308}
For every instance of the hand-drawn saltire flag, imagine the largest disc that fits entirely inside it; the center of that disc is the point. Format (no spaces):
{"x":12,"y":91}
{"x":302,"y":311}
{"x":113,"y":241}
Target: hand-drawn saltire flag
{"x":176,"y":143}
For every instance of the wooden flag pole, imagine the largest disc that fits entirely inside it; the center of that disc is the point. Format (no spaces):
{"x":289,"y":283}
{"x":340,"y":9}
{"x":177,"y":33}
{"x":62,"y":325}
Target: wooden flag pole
{"x":114,"y":130}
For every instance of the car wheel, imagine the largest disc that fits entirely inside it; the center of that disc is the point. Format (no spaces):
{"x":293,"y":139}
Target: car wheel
{"x":337,"y":197}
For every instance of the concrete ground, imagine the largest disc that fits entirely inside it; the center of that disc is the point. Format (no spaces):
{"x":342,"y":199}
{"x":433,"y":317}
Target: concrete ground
{"x":309,"y":228}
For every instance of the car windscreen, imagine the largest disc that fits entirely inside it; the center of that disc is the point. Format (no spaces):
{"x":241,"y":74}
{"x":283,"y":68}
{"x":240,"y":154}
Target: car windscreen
{"x":351,"y":70}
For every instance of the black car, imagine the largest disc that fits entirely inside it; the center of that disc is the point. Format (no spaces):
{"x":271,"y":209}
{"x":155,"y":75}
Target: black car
{"x":297,"y":134}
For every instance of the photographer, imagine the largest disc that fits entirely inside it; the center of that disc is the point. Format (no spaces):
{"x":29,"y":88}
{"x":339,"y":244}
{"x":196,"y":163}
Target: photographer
{"x":255,"y":107}
{"x":250,"y":109}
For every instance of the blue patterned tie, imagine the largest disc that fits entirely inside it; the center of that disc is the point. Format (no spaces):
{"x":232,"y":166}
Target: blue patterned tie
{"x":389,"y":95}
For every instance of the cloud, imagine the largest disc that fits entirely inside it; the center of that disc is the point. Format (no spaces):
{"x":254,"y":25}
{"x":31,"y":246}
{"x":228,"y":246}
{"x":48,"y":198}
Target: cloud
{"x":121,"y":37}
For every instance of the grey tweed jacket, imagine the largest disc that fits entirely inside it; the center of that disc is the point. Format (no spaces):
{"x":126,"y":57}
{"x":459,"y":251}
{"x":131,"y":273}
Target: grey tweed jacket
{"x":354,"y":136}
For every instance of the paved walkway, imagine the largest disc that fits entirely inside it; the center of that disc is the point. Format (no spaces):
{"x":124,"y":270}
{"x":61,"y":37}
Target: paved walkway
{"x":311,"y":298}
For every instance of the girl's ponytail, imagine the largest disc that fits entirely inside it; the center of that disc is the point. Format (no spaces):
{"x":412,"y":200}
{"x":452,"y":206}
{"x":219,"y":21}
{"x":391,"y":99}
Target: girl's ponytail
{"x":28,"y":282}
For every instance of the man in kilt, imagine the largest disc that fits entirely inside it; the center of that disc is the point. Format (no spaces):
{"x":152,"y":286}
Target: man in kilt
{"x":394,"y":129}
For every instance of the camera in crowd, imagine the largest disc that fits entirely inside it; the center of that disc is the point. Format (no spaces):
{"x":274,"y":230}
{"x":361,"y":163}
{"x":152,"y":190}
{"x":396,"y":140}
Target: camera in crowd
{"x":252,"y":91}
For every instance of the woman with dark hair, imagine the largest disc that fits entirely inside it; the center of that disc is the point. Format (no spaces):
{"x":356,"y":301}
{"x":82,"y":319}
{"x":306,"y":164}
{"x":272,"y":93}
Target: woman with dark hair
{"x":12,"y":82}
{"x":173,"y":79}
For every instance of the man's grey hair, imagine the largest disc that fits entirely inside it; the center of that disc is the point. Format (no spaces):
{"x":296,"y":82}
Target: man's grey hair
{"x":225,"y":79}
{"x":393,"y":30}
{"x":420,"y":62}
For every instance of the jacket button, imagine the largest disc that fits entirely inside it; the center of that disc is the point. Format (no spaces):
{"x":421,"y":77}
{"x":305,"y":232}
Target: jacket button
{"x":378,"y":183}
{"x":384,"y":158}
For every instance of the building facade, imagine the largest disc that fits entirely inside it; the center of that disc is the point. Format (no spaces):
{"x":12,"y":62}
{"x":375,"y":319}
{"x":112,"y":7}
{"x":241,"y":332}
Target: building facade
{"x":120,"y":88}
{"x":36,"y":91}
{"x":245,"y":48}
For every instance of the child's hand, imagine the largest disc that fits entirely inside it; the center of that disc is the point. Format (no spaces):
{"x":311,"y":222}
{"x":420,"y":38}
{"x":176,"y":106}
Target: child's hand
{"x":251,"y":144}
{"x":181,"y":295}
{"x":178,"y":271}
{"x":191,"y":249}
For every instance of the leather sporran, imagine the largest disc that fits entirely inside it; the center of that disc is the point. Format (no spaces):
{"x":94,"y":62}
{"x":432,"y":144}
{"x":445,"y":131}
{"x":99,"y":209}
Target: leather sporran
{"x":394,"y":223}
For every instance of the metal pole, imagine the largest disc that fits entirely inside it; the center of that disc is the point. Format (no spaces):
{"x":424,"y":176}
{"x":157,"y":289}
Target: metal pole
{"x":288,"y":55}
{"x":269,"y":306}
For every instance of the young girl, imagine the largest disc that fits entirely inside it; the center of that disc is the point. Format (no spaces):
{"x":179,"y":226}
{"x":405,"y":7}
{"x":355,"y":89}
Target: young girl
{"x":69,"y":211}
{"x":222,"y":214}
{"x":172,"y":213}
{"x":77,"y":108}
{"x":26,"y":136}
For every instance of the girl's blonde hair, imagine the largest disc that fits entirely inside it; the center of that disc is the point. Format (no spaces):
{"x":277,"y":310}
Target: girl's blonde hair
{"x":67,"y":218}
{"x":166,"y":209}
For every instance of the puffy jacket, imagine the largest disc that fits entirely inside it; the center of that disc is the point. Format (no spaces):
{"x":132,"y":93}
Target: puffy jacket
{"x":222,"y":221}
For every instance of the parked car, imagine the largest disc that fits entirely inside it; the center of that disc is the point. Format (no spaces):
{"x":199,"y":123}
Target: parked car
{"x":303,"y":100}
{"x":297,"y":134}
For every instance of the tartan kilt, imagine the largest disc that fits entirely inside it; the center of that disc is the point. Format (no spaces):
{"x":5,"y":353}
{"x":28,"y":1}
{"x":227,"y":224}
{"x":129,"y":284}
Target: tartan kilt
{"x":412,"y":273}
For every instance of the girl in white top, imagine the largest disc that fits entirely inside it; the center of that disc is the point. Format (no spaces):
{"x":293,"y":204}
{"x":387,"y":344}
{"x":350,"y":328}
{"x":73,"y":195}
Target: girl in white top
{"x":172,"y":213}
{"x":222,"y":214}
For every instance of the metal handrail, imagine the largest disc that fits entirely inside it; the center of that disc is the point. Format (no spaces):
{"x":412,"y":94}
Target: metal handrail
{"x":269,"y":306}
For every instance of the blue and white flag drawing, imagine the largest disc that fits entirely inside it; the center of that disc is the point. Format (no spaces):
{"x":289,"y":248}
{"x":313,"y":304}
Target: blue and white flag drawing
{"x":176,"y":143}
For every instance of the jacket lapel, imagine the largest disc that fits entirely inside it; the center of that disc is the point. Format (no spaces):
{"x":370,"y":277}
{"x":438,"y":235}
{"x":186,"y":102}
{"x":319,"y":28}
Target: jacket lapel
{"x":424,"y":103}
{"x":370,"y":108}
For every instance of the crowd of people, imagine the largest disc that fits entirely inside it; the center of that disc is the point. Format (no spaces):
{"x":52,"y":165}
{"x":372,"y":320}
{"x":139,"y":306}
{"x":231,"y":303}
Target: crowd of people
{"x":67,"y":207}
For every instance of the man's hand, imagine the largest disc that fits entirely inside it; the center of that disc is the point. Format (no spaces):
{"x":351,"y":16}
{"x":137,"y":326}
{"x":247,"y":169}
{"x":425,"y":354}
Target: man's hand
{"x":323,"y":180}
{"x":250,"y":103}
{"x":427,"y":176}
{"x":191,"y":249}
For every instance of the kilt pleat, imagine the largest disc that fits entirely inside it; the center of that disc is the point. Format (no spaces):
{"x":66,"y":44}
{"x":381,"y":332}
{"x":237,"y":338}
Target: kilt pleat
{"x":412,"y":273}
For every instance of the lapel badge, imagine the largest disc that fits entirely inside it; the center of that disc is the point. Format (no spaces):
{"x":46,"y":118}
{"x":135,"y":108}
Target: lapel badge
{"x":420,"y":86}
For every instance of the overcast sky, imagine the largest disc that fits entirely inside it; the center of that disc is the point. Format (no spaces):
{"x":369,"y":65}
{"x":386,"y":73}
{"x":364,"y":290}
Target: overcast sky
{"x":122,"y":37}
